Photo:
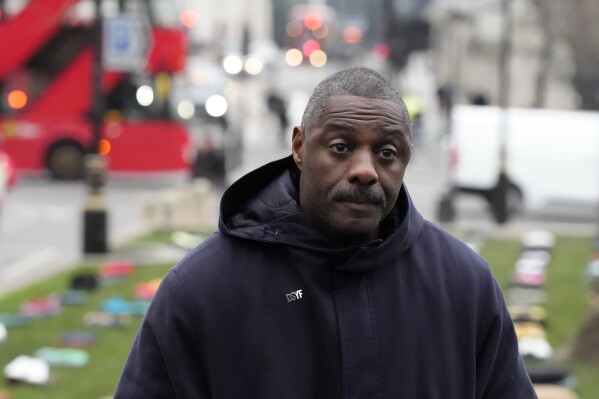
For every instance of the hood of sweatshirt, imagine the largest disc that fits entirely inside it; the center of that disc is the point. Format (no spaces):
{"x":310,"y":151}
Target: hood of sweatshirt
{"x":264,"y":206}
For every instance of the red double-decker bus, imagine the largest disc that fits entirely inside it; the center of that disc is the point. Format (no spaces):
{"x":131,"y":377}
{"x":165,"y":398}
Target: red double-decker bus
{"x":46,"y":90}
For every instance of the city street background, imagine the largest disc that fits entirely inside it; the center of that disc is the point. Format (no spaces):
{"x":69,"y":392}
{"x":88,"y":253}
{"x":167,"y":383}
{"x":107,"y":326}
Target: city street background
{"x":516,"y":53}
{"x":122,"y":122}
{"x":41,"y":222}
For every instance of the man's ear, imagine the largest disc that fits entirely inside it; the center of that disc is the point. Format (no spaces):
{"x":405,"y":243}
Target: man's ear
{"x":297,"y":144}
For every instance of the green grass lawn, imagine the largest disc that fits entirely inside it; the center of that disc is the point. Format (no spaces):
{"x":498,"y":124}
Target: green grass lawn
{"x":566,"y":305}
{"x":566,"y":294}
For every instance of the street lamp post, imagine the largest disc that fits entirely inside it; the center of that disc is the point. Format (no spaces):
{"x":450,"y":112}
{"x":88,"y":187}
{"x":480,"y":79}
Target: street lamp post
{"x":500,"y":193}
{"x":94,"y":215}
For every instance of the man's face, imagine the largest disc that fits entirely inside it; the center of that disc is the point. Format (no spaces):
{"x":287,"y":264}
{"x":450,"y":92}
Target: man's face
{"x":352,"y":166}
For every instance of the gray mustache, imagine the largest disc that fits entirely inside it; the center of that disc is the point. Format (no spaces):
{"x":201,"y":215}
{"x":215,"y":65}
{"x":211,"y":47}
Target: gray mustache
{"x":360,"y":196}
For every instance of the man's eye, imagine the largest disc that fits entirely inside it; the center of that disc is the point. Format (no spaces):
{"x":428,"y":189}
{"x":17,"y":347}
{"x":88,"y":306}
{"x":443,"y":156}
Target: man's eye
{"x":339,"y":147}
{"x":388,"y":153}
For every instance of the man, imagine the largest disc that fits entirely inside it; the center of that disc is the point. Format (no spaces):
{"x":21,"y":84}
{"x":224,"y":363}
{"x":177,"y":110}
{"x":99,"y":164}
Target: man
{"x":323,"y":280}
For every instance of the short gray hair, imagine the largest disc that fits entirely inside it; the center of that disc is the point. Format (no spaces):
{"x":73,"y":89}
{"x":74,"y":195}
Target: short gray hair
{"x":357,"y":81}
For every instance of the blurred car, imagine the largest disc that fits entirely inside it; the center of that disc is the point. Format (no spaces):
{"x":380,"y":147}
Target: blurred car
{"x":8,"y":174}
{"x":208,"y":101}
{"x":259,"y":57}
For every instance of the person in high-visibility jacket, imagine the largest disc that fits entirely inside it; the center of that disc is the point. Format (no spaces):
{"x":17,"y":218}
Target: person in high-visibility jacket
{"x":414,"y":106}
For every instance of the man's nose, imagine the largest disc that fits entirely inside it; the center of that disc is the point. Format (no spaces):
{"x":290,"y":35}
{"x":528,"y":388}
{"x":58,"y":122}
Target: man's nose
{"x":362,"y":168}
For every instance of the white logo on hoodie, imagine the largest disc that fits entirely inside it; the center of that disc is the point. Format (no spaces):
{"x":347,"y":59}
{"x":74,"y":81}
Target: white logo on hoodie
{"x":294,"y":296}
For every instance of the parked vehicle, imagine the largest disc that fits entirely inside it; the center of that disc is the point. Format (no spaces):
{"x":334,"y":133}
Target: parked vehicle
{"x":47,"y":93}
{"x":208,"y":100}
{"x":551,"y":157}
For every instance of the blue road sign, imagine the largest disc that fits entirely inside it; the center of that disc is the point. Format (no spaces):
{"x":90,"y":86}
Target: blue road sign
{"x":126,"y":42}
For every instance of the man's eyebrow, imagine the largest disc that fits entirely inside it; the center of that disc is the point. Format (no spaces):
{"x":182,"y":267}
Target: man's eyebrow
{"x":337,"y":125}
{"x":397,"y":130}
{"x":393,"y":130}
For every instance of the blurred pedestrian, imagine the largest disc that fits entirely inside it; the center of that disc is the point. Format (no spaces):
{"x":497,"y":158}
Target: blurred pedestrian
{"x":445,"y":101}
{"x":445,"y":98}
{"x":278,"y":107}
{"x":324,"y":281}
{"x":415,"y":110}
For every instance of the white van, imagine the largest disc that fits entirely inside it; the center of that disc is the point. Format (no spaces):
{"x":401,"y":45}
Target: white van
{"x":552,"y":156}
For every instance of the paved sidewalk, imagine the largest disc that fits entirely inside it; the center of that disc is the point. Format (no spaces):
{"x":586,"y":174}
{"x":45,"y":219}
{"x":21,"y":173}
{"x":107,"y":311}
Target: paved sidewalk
{"x":141,"y":255}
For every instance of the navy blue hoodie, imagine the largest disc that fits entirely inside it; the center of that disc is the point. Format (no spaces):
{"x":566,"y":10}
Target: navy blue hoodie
{"x":269,"y":307}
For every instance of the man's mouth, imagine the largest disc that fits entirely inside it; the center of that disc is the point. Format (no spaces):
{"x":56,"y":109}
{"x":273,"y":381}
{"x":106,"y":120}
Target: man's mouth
{"x":360,"y":202}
